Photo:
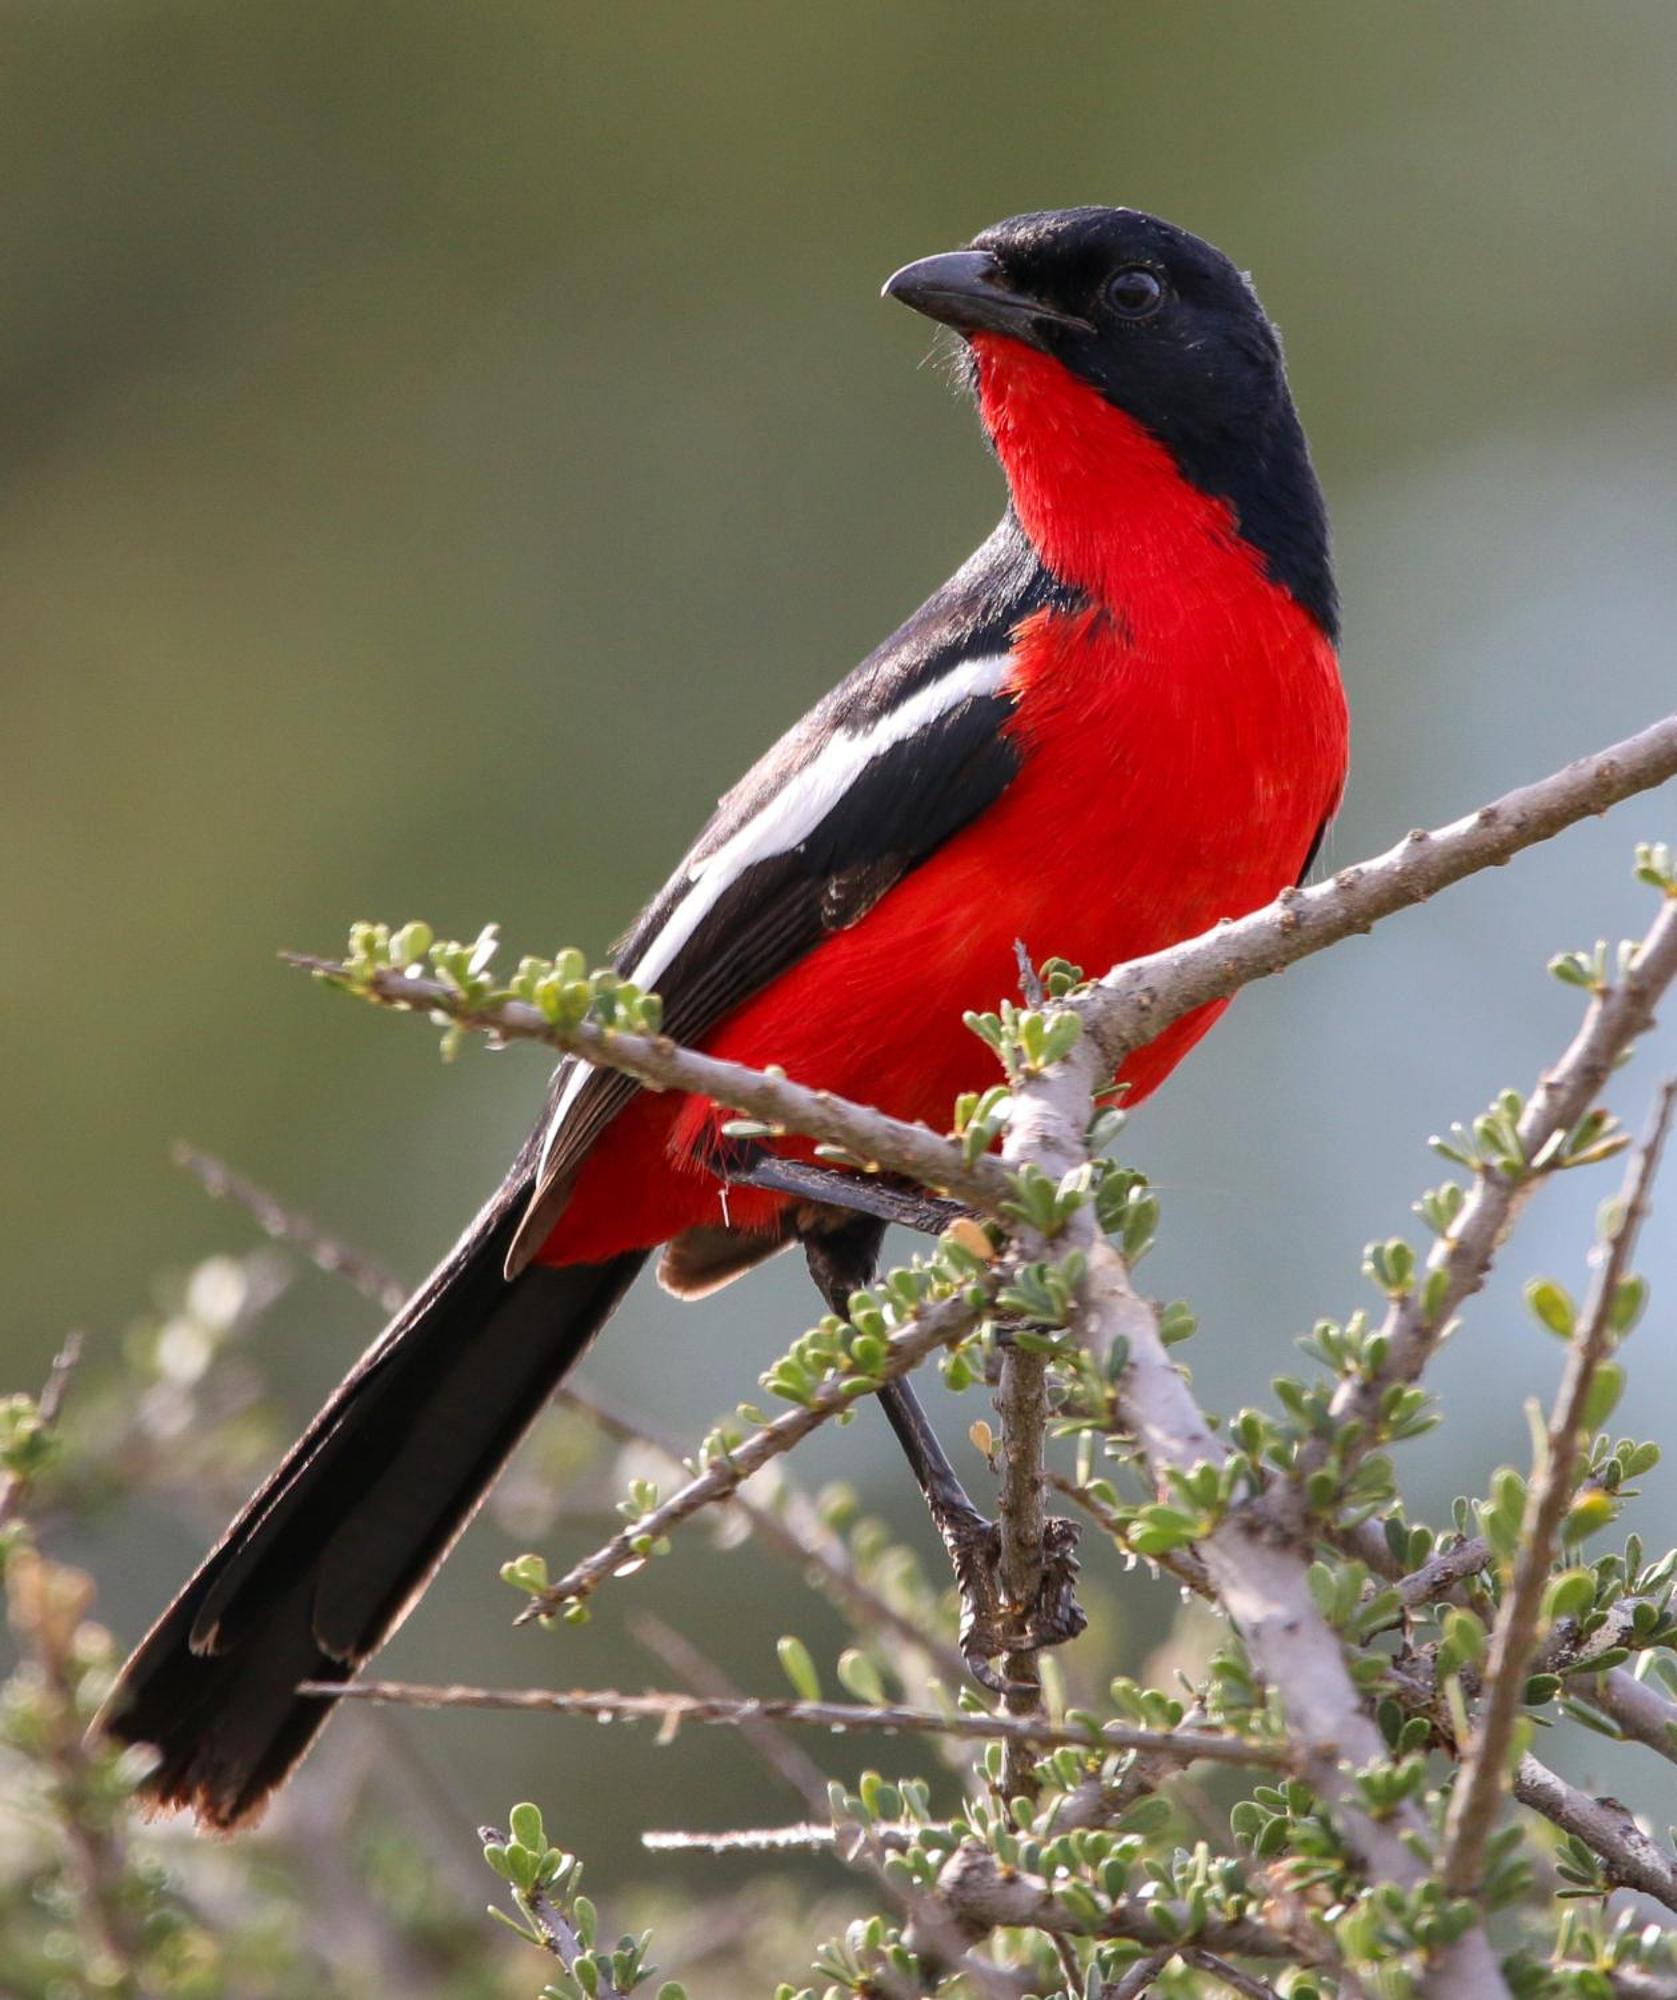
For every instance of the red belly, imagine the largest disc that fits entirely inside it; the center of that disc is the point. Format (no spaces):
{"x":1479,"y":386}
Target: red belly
{"x":1154,"y":799}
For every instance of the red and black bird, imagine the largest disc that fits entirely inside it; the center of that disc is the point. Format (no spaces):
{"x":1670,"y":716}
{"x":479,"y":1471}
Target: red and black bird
{"x":1133,"y":682}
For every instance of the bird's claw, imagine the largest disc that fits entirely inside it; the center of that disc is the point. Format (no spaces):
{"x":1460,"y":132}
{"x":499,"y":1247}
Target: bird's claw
{"x":991,"y":1627}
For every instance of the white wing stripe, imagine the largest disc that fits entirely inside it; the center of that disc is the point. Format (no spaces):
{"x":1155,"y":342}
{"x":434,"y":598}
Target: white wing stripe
{"x":790,"y":817}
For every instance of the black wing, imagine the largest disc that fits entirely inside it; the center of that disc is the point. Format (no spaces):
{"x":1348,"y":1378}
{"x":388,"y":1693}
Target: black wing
{"x":876,"y":777}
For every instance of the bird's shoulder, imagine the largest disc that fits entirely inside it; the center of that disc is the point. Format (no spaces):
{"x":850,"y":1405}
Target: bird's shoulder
{"x":928,"y":665}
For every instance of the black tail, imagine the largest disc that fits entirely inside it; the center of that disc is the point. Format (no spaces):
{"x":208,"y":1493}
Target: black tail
{"x":330,"y":1554}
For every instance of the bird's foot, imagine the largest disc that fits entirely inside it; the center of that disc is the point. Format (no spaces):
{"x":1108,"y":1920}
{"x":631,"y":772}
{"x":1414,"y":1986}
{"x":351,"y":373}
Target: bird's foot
{"x":991,"y":1626}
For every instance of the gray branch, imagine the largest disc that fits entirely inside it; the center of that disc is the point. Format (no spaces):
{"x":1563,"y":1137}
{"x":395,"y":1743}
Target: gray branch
{"x":1185,"y":1746}
{"x":1263,"y":1585}
{"x":1478,"y":1791}
{"x":1611,"y":1023}
{"x":788,"y":1521}
{"x":979,"y":1891}
{"x":1631,"y":1859}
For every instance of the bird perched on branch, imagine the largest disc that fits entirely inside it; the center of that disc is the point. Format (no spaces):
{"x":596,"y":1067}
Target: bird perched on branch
{"x":1118,"y":722}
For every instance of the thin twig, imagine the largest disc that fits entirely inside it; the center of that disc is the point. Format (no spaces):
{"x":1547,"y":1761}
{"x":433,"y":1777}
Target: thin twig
{"x":801,"y":1837}
{"x":672,"y":1710}
{"x":1630,"y":1859}
{"x":1134,"y":1981}
{"x":1231,"y":1976}
{"x":790,"y":1523}
{"x":937,"y":1326}
{"x":554,"y":1930}
{"x":1441,"y":1573}
{"x":1459,"y":1263}
{"x":1478,"y":1791}
{"x":1182,"y":1564}
{"x":658,"y":1063}
{"x":326,"y":1252}
{"x":14,"y":1488}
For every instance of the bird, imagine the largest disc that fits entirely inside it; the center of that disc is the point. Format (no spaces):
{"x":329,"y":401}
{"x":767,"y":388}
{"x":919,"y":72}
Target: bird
{"x":1119,"y":722}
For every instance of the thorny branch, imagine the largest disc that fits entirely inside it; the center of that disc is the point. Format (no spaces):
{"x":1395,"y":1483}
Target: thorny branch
{"x":788,"y":1521}
{"x":1478,"y":1792}
{"x":939,"y":1325}
{"x":670,"y":1711}
{"x":1460,"y":1262}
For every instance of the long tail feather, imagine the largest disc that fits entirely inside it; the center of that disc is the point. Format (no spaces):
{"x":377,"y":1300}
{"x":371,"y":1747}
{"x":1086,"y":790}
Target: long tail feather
{"x":327,"y":1558}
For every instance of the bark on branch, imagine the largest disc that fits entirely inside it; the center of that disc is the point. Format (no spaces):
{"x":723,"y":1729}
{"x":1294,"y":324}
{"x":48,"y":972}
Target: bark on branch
{"x":1182,"y":1746}
{"x":1478,"y":1793}
{"x":1263,"y":1584}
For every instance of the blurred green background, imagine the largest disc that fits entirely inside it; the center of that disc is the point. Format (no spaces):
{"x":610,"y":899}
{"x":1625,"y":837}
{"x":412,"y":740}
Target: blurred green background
{"x":444,"y":444}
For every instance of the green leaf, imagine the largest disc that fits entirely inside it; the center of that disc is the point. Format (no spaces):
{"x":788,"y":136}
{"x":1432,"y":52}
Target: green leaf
{"x":860,"y":1677}
{"x":1552,"y":1307}
{"x":1602,"y":1398}
{"x":1569,"y":1595}
{"x":1628,"y":1301}
{"x":798,"y":1667}
{"x":526,"y":1572}
{"x":1463,"y":1634}
{"x":1590,"y":1511}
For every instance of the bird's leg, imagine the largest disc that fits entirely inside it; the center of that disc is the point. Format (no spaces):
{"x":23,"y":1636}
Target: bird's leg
{"x":844,"y":1258}
{"x":843,"y":1254}
{"x":842,"y":1219}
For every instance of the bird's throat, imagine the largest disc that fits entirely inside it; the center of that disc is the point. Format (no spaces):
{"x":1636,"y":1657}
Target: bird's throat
{"x":1102,"y":500}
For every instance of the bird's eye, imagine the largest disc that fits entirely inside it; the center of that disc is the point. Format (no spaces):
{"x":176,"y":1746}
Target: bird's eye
{"x":1135,"y":293}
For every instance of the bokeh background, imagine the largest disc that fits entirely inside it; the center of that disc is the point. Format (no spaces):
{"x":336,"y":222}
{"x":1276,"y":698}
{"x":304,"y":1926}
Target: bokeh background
{"x":444,"y":443}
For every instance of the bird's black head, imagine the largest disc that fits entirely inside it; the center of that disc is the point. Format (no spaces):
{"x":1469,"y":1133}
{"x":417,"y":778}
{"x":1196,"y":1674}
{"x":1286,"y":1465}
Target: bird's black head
{"x":1167,"y":330}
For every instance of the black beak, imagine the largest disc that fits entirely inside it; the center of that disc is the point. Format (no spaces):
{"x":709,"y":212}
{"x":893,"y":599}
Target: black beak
{"x":966,"y":289}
